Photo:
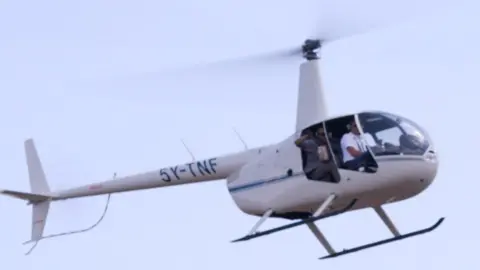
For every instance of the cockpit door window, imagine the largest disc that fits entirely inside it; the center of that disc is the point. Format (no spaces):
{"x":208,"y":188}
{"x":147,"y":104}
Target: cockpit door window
{"x":394,"y":135}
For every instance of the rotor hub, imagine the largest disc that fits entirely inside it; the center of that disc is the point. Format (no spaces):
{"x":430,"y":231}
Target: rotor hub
{"x":309,"y":49}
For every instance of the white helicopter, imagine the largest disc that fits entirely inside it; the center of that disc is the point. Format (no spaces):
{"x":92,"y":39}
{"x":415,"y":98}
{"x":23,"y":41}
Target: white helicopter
{"x":328,"y":166}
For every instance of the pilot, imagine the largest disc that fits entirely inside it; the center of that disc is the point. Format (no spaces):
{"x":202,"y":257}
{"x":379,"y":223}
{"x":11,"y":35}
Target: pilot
{"x":318,"y":164}
{"x":355,"y":151}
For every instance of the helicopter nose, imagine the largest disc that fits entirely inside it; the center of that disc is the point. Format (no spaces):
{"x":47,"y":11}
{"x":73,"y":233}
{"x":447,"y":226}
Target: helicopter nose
{"x":429,"y":173}
{"x":408,"y":176}
{"x":425,"y":172}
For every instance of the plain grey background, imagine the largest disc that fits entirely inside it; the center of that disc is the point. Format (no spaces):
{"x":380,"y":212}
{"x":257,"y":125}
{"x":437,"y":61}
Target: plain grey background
{"x":90,"y":82}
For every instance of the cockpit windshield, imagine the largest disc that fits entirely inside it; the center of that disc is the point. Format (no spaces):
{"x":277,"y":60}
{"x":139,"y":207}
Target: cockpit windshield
{"x":393,"y":135}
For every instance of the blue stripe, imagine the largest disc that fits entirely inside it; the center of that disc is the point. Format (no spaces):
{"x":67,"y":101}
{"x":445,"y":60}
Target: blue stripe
{"x":262,"y":182}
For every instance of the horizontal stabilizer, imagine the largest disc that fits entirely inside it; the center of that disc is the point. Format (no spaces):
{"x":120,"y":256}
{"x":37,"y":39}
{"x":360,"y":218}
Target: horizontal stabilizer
{"x":31,"y":197}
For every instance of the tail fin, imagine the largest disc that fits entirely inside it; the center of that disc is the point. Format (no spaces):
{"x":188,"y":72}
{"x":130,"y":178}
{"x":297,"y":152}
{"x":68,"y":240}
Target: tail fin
{"x":38,"y":181}
{"x":39,"y":195}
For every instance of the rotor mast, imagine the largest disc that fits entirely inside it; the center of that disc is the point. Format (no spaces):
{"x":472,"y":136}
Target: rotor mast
{"x":311,"y":105}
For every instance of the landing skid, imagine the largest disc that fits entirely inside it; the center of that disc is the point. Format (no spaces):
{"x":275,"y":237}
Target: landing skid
{"x":385,"y":241}
{"x":318,"y":234}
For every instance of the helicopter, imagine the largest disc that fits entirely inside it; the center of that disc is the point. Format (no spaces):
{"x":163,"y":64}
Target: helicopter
{"x":330,"y":165}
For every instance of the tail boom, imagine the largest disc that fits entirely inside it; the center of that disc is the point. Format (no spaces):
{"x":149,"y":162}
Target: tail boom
{"x":212,"y":169}
{"x":40,"y":196}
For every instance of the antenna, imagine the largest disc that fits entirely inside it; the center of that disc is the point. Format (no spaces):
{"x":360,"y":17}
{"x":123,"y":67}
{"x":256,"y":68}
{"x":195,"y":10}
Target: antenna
{"x":190,"y":152}
{"x":240,"y":138}
{"x":75,"y":231}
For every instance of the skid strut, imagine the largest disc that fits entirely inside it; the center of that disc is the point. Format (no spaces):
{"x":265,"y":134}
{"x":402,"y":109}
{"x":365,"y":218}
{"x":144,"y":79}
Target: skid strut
{"x":316,"y":216}
{"x":397,"y":236}
{"x":319,"y":235}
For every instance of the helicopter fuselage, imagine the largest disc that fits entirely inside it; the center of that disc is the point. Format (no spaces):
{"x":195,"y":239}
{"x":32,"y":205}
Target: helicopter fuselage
{"x":273,"y":177}
{"x":276,"y":179}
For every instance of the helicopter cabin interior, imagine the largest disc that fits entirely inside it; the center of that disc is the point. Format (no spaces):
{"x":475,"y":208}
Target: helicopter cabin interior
{"x":394,"y":135}
{"x":371,"y":135}
{"x":318,"y":160}
{"x":328,"y":139}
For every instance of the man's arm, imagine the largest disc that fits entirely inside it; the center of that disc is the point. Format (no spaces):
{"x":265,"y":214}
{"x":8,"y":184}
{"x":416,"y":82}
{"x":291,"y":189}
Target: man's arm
{"x":353,"y":151}
{"x":349,"y":143}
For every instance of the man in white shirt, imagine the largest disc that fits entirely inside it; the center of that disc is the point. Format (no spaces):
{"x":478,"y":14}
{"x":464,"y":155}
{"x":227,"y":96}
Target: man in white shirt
{"x":354,"y":149}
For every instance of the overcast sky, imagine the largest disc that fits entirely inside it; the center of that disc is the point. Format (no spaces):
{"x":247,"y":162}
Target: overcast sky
{"x":89,"y":82}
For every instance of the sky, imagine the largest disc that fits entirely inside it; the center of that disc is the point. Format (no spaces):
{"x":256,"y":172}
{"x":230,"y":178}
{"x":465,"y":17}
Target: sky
{"x":92,"y":83}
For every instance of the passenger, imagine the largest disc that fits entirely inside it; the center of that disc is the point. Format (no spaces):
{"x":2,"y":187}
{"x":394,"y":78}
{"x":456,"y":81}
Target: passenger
{"x":355,"y":151}
{"x":318,"y":164}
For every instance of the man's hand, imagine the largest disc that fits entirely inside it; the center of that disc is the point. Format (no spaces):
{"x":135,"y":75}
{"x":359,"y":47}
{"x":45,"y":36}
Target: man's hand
{"x":376,"y":149}
{"x":301,"y":140}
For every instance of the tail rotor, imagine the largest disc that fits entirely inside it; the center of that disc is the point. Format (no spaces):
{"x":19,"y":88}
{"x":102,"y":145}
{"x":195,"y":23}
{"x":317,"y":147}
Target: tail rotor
{"x":40,"y":198}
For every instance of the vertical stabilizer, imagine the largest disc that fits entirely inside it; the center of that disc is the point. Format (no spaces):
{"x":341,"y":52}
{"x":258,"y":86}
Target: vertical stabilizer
{"x":39,"y":219}
{"x":38,"y":181}
{"x":311,"y":106}
{"x":38,"y":185}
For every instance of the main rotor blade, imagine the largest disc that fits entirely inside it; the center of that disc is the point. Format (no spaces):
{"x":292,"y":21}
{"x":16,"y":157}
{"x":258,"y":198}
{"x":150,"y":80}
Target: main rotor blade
{"x":287,"y":54}
{"x":334,"y":23}
{"x":213,"y":68}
